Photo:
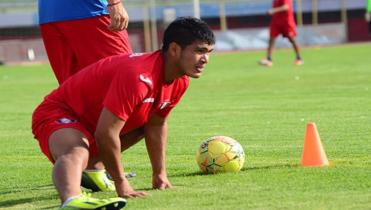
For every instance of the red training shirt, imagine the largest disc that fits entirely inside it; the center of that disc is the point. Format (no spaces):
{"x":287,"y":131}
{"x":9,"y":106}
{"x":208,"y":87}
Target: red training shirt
{"x":131,"y":86}
{"x":283,"y":17}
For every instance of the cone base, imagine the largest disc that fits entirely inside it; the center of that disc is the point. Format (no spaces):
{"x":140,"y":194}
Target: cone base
{"x":315,"y":165}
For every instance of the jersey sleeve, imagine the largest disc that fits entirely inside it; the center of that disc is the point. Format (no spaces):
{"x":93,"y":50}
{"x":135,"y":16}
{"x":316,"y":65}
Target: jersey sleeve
{"x":124,"y":94}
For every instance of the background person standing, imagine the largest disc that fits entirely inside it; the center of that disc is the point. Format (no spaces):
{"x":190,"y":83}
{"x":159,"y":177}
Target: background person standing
{"x":282,"y":23}
{"x":79,"y":33}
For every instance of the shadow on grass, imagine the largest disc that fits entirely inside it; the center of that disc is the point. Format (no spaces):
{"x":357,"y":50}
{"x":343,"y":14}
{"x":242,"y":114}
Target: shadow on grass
{"x":50,"y":207}
{"x":145,"y":189}
{"x":276,"y":166}
{"x":37,"y":188}
{"x":20,"y":201}
{"x":198,"y":173}
{"x":245,"y":169}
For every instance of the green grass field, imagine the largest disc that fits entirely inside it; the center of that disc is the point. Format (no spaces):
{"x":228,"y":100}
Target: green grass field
{"x":265,"y":109}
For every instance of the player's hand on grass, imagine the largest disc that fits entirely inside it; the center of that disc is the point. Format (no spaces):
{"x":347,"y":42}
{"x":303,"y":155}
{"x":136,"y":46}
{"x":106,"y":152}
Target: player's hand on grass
{"x":119,"y":17}
{"x":124,"y":190}
{"x":160,"y":182}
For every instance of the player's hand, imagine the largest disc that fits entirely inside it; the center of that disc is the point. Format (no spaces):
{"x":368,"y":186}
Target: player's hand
{"x":119,"y":17}
{"x":124,"y":190}
{"x":160,"y":182}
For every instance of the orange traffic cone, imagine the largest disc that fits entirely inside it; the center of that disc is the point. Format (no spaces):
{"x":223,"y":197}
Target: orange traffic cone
{"x":313,"y":152}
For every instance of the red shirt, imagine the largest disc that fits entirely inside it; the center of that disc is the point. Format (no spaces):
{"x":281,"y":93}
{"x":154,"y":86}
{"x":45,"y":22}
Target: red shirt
{"x":131,"y":86}
{"x":283,"y":17}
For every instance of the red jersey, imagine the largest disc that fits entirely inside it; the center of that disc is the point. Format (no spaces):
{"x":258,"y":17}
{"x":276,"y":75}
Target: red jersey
{"x":131,"y":86}
{"x":283,"y":17}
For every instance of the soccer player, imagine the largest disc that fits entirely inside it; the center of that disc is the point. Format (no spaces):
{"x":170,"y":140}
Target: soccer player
{"x":114,"y":103}
{"x":283,"y":22}
{"x":79,"y":33}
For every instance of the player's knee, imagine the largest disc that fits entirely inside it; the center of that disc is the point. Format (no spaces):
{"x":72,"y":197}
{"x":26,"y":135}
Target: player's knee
{"x":67,"y":142}
{"x":76,"y":156}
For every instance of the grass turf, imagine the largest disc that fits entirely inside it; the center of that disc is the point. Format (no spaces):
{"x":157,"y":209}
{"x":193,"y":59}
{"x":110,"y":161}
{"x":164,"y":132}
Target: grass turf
{"x":265,"y":109}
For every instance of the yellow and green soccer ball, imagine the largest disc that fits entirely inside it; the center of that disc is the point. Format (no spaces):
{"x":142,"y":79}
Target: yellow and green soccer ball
{"x":220,"y":154}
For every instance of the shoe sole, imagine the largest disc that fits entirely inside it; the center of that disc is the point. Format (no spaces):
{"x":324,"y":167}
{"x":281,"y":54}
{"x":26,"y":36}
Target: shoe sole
{"x":112,"y":206}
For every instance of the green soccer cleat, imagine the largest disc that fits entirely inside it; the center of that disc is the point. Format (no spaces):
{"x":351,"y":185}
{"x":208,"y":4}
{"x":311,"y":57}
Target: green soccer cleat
{"x":97,"y":180}
{"x":84,"y":201}
{"x":100,"y":180}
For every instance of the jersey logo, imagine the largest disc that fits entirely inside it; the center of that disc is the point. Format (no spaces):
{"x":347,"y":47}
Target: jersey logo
{"x":164,"y":104}
{"x":135,"y":55}
{"x":145,"y":79}
{"x":149,"y":100}
{"x":65,"y":120}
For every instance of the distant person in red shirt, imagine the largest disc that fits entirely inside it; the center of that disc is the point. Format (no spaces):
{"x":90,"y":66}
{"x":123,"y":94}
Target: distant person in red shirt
{"x":114,"y":103}
{"x":283,"y":22}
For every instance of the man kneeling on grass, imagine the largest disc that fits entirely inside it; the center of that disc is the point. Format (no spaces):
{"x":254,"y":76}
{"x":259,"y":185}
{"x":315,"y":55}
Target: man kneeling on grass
{"x":111,"y":105}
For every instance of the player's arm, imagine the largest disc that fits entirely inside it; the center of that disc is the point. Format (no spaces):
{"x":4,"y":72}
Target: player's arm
{"x":108,"y":142}
{"x":283,"y":8}
{"x":119,"y":16}
{"x":155,"y":132}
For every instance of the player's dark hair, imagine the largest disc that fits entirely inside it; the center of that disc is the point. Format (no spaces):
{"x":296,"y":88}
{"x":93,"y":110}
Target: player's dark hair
{"x":186,"y":30}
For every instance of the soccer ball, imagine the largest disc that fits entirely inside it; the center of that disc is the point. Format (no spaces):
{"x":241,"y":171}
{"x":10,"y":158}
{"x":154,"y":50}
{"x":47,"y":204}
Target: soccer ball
{"x":220,"y":154}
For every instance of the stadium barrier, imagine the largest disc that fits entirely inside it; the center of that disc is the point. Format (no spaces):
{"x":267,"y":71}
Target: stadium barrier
{"x":308,"y":35}
{"x":22,"y":50}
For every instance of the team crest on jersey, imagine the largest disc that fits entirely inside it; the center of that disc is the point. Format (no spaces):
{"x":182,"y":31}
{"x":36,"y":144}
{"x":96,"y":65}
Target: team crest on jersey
{"x":164,"y":104}
{"x":65,"y":120}
{"x":145,"y":79}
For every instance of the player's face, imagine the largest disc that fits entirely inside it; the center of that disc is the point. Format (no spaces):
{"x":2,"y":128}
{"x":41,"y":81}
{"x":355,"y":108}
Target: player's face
{"x":194,"y":57}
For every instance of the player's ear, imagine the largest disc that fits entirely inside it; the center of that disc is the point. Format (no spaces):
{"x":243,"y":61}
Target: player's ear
{"x":174,"y":49}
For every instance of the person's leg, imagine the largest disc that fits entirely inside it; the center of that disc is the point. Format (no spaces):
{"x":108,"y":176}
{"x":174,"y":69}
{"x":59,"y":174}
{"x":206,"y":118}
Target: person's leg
{"x":270,"y":48}
{"x":59,"y":51}
{"x":69,"y":149}
{"x":295,"y":47}
{"x":92,"y":40}
{"x":68,"y":145}
{"x":268,"y":60}
{"x":289,"y":31}
{"x":274,"y":31}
